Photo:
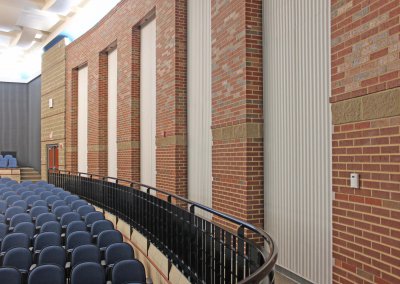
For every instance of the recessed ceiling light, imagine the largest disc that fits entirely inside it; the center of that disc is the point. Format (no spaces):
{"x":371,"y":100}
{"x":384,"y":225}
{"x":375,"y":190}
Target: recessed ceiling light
{"x":38,"y":36}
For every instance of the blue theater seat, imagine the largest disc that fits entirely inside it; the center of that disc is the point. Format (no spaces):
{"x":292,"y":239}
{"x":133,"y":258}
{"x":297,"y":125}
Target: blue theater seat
{"x":88,"y":273}
{"x":19,"y":258}
{"x":27,"y":228}
{"x":93,"y":217}
{"x":51,"y":226}
{"x":107,"y":238}
{"x":43,"y":218}
{"x":12,"y":163}
{"x":47,"y":274}
{"x":85,"y":253}
{"x":77,"y":239}
{"x":100,"y":226}
{"x":21,"y":203}
{"x":37,"y":210}
{"x":128,"y":271}
{"x":61,"y":210}
{"x":52,"y":255}
{"x":3,"y":163}
{"x":84,"y":210}
{"x":10,"y":275}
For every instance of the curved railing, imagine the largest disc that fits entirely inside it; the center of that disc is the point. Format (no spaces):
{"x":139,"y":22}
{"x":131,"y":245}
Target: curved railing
{"x":203,"y":250}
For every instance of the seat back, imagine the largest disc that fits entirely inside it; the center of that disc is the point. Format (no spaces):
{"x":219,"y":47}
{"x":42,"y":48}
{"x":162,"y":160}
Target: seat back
{"x":45,"y":217}
{"x":58,"y":203}
{"x":12,"y":163}
{"x":100,"y":226}
{"x":10,"y":275}
{"x":108,"y":237}
{"x":128,"y":271}
{"x":14,"y":240}
{"x":39,"y":191}
{"x":47,"y":274}
{"x":88,"y":273}
{"x":69,"y":198}
{"x":85,"y":209}
{"x":27,"y":228}
{"x":52,"y":255}
{"x":45,"y":194}
{"x":19,"y":258}
{"x":78,"y":203}
{"x":51,"y":226}
{"x":39,"y":203}
{"x":37,"y":210}
{"x":61,"y":210}
{"x":31,"y":199}
{"x":21,"y":203}
{"x":51,"y":199}
{"x":26,"y":194}
{"x":7,"y":194}
{"x":46,"y":239}
{"x":85,"y":253}
{"x":12,"y":211}
{"x":11,"y":199}
{"x":69,"y":217}
{"x":3,"y":230}
{"x":75,"y":226}
{"x":2,"y":218}
{"x":77,"y":239}
{"x":19,"y":218}
{"x":3,"y":206}
{"x":41,"y":182}
{"x":93,"y":217}
{"x":117,"y":252}
{"x":26,"y":182}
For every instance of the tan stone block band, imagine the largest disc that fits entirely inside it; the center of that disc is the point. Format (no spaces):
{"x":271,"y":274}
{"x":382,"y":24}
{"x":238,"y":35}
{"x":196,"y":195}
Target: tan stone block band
{"x":171,"y":140}
{"x":373,"y":106}
{"x":128,"y":145}
{"x":239,"y":131}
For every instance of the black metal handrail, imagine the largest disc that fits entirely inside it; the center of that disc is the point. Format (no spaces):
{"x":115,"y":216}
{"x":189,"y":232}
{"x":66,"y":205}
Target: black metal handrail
{"x":202,"y":250}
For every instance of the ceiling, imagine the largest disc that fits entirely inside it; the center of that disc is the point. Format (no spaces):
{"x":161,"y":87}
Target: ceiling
{"x":26,"y":26}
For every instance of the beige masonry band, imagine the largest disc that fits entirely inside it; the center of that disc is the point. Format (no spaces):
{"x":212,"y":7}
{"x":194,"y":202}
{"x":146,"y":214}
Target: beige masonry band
{"x":127,"y":145}
{"x":239,"y":131}
{"x":373,"y":106}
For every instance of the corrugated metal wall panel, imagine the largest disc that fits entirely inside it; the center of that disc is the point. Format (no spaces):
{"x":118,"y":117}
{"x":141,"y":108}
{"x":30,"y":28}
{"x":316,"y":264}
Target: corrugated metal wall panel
{"x":199,"y":102}
{"x":148,"y":104}
{"x":83,"y":119}
{"x":34,"y":101}
{"x":112,"y":113}
{"x":297,"y":135}
{"x":14,"y":126}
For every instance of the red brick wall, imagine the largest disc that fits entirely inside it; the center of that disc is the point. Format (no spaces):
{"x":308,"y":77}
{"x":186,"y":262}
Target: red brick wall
{"x":365,"y":47}
{"x":366,"y":140}
{"x":237,"y":105}
{"x":121,"y":26}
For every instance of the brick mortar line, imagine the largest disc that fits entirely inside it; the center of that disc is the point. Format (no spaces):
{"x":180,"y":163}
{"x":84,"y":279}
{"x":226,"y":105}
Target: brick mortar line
{"x":49,"y":116}
{"x":356,"y":260}
{"x":56,"y":89}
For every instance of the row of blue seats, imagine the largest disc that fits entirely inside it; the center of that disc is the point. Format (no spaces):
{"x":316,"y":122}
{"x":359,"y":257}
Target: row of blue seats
{"x":39,"y":221}
{"x":8,"y":161}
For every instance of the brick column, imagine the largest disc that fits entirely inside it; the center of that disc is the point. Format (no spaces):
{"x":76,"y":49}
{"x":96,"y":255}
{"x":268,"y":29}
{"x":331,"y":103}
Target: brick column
{"x":366,"y":118}
{"x":171,"y":99}
{"x":237,"y":119}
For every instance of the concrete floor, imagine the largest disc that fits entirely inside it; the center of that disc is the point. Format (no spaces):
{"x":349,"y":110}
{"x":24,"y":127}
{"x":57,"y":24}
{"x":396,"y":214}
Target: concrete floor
{"x":282,"y":279}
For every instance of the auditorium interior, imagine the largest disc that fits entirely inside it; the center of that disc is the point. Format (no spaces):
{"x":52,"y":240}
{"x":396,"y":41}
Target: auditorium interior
{"x":199,"y":141}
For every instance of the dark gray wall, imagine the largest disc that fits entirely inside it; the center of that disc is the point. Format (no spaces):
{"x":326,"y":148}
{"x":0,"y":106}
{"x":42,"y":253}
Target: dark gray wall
{"x":20,"y":121}
{"x":34,"y":106}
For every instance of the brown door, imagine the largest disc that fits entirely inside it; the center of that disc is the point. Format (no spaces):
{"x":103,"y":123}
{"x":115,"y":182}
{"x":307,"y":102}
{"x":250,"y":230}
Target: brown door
{"x":52,"y":156}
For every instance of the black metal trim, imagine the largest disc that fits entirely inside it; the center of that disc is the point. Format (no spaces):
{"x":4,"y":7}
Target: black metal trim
{"x":203,"y":251}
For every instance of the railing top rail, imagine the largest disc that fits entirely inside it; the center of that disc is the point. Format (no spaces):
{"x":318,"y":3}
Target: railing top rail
{"x":270,"y":256}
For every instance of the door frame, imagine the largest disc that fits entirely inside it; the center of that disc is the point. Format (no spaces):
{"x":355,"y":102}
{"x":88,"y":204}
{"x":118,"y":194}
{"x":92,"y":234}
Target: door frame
{"x":48,"y":146}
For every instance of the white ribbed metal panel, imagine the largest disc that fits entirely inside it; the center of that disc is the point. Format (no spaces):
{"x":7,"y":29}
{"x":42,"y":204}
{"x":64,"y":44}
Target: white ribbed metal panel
{"x":199,"y":102}
{"x":297,"y":135}
{"x":148,"y":103}
{"x":83,"y":119}
{"x":112,"y":113}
